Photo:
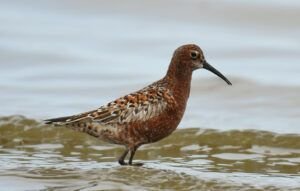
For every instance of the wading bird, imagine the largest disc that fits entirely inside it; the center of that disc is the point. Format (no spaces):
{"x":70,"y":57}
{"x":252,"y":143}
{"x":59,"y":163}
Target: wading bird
{"x":147,"y":115}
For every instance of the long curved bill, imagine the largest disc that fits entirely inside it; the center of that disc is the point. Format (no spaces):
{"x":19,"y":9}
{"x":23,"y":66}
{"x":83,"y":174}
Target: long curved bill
{"x":215,"y":71}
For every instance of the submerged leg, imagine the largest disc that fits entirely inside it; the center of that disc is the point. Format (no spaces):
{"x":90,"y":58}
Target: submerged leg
{"x":132,"y":153}
{"x":122,"y":157}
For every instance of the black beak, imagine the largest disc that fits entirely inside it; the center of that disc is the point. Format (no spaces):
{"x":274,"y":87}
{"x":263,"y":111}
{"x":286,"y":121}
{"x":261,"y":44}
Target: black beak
{"x":215,"y":71}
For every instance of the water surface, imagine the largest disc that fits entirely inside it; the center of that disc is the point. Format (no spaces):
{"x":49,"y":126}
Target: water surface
{"x":39,"y":157}
{"x":65,"y":57}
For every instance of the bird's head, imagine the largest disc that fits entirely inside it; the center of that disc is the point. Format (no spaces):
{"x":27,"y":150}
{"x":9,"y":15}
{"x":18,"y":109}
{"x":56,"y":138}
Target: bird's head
{"x":190,"y":57}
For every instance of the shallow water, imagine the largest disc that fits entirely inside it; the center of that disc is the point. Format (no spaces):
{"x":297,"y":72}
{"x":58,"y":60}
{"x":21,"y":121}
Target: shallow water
{"x":64,"y":57}
{"x":39,"y":157}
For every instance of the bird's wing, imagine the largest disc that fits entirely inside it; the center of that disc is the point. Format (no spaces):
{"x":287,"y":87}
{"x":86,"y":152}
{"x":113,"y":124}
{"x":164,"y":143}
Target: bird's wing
{"x":138,"y":106}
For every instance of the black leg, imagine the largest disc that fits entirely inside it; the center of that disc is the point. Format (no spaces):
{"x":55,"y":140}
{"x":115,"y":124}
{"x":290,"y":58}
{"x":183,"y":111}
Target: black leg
{"x":132,"y":153}
{"x":122,"y":157}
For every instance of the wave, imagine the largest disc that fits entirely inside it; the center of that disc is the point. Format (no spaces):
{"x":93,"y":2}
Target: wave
{"x":21,"y":130}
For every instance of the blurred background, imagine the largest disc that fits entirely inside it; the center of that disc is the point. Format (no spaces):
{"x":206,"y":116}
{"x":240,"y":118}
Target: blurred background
{"x":63,"y":57}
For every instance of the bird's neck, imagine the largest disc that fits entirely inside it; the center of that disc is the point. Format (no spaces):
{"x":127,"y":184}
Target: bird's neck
{"x":179,"y":82}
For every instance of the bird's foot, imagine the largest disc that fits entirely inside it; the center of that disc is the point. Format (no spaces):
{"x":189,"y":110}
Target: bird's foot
{"x":130,"y":164}
{"x":137,"y":164}
{"x":121,"y":162}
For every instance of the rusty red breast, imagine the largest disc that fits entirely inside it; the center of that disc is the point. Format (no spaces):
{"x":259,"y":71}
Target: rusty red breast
{"x":147,"y":115}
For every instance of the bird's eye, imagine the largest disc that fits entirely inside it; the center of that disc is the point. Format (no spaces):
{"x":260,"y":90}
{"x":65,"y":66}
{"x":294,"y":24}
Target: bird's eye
{"x":194,"y":55}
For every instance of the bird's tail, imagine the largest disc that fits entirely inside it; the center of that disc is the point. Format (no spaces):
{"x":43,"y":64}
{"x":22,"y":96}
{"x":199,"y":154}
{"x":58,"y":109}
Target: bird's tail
{"x":58,"y":121}
{"x":75,"y":122}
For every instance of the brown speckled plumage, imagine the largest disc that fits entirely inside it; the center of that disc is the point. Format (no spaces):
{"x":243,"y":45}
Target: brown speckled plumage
{"x":147,"y":115}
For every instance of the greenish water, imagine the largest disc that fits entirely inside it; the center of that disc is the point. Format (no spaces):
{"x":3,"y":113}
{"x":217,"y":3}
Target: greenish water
{"x":34,"y":156}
